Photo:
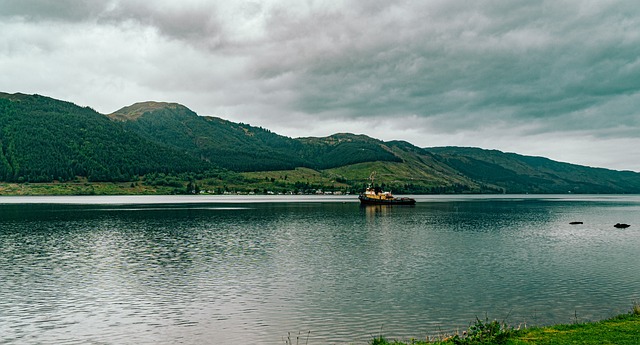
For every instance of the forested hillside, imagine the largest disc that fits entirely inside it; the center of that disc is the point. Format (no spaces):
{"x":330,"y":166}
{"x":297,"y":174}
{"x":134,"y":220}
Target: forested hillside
{"x":241,"y":147}
{"x":525,"y":174}
{"x":234,"y":146}
{"x":43,"y":139}
{"x":344,"y":149}
{"x":166,"y":144}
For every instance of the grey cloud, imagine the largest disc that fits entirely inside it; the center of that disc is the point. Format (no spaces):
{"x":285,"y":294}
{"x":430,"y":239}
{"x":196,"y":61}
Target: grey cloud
{"x":534,"y":62}
{"x":59,"y":10}
{"x":196,"y":24}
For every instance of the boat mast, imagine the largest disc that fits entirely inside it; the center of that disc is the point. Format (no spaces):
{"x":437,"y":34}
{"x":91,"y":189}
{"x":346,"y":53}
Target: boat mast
{"x":372,"y":176}
{"x":372,"y":185}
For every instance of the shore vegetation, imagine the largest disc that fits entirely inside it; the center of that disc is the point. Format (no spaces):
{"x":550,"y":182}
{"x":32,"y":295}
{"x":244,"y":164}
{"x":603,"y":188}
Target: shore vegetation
{"x":622,"y":329}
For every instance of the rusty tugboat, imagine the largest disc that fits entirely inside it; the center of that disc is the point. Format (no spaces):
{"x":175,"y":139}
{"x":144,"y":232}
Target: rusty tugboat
{"x":375,"y":196}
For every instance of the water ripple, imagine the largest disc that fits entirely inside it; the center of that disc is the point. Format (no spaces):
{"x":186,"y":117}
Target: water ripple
{"x":75,"y":274}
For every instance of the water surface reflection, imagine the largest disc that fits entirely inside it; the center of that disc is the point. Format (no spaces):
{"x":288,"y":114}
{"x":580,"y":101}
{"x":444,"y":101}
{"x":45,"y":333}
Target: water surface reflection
{"x":249,"y":272}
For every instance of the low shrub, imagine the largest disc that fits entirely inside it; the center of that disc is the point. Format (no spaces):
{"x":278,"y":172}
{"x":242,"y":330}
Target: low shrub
{"x":484,"y":332}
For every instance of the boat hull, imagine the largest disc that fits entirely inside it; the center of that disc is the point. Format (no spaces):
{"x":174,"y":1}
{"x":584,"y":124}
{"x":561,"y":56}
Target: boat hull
{"x":364,"y":200}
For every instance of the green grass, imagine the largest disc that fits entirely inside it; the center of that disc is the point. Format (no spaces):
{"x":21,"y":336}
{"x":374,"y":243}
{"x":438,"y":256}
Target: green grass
{"x":285,"y":181}
{"x":619,"y":330}
{"x":82,"y":188}
{"x":399,"y":178}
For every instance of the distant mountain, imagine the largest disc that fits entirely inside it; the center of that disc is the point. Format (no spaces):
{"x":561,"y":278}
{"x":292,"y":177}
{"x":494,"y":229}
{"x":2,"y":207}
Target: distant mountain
{"x":43,"y":139}
{"x":474,"y":170}
{"x":525,"y":174}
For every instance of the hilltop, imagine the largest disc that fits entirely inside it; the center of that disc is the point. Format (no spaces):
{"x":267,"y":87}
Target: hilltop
{"x":43,"y":139}
{"x":160,"y":143}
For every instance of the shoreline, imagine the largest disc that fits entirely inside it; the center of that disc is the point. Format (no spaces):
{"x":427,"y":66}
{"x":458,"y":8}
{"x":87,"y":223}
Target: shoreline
{"x":622,"y":329}
{"x":140,"y":189}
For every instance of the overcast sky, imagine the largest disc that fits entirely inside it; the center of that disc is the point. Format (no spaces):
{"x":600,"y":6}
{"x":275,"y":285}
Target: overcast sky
{"x":559,"y":79}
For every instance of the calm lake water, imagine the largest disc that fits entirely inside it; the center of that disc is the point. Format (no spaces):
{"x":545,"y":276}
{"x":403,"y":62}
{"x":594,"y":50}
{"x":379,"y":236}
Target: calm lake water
{"x":248,"y":270}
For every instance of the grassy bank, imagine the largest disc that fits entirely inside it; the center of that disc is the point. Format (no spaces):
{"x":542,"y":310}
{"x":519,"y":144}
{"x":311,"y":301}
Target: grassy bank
{"x":82,"y":188}
{"x":300,"y":180}
{"x":295,"y":181}
{"x":619,"y":330}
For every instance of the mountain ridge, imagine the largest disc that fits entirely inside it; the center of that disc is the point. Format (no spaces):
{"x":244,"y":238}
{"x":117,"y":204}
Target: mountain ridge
{"x":169,"y":138}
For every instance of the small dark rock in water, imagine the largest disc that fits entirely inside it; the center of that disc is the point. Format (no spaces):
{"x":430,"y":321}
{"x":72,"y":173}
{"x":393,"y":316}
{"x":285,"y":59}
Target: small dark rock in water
{"x":574,"y":223}
{"x":621,"y":226}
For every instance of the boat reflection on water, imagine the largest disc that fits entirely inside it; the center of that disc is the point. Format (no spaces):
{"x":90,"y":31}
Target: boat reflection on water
{"x":373,"y":211}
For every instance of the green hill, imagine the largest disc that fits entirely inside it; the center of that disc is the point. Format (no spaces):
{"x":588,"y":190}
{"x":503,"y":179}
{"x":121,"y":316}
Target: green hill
{"x":241,"y":147}
{"x":415,"y":171}
{"x":525,"y":174}
{"x":343,"y":149}
{"x":43,"y":139}
{"x":474,"y":170}
{"x":234,"y":146}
